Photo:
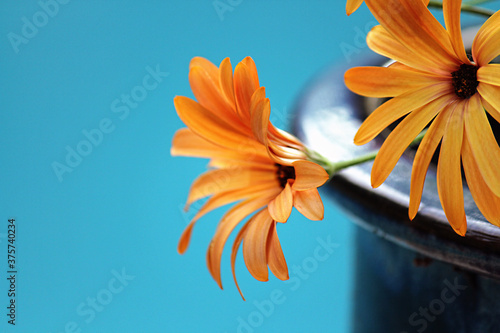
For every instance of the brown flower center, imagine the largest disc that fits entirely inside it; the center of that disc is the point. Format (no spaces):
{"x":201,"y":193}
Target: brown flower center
{"x":465,"y":81}
{"x":284,"y":173}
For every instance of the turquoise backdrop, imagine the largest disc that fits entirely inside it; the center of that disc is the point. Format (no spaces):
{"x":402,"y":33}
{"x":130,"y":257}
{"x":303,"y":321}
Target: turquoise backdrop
{"x":87,"y":120}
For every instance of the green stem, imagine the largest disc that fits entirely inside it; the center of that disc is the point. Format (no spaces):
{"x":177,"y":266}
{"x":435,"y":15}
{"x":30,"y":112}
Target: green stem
{"x":333,"y":168}
{"x":476,"y":2}
{"x":466,"y":8}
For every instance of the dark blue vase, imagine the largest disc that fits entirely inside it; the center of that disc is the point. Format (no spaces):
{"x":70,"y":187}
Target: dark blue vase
{"x":411,"y":276}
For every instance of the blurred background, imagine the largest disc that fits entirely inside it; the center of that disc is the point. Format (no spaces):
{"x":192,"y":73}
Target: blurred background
{"x":87,"y":122}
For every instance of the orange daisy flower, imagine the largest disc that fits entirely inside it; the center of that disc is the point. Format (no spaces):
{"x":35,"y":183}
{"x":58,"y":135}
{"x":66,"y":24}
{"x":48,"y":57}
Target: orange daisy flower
{"x":353,"y":5}
{"x":253,"y":162}
{"x":433,"y":81}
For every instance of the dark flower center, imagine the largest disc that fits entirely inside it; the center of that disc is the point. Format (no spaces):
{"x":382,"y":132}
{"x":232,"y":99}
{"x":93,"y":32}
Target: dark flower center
{"x":465,"y":81}
{"x":284,"y":173}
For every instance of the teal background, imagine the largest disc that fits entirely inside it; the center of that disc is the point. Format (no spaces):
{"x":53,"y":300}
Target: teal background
{"x":119,"y":211}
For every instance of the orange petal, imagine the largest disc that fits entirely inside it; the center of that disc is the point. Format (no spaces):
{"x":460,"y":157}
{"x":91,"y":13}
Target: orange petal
{"x":397,"y":107}
{"x":382,"y":42}
{"x":236,"y":244}
{"x":230,"y":220}
{"x":244,"y":87}
{"x":188,"y":143}
{"x":411,"y":23}
{"x":260,"y":111}
{"x":486,"y":45}
{"x":222,"y":163}
{"x":352,"y":5}
{"x":226,"y":82}
{"x":423,"y":157}
{"x":209,"y":95}
{"x":487,"y":202}
{"x":227,"y":197}
{"x":309,"y":204}
{"x":255,"y":245}
{"x":284,"y":138}
{"x":401,"y":137}
{"x":215,"y":181}
{"x":493,"y":111}
{"x":489,"y":74}
{"x":451,"y":11}
{"x":449,"y":173}
{"x":185,"y":238}
{"x":386,"y":82}
{"x":483,"y":144}
{"x":281,"y":207}
{"x":275,"y":258}
{"x":207,"y":65}
{"x":252,"y":69}
{"x":490,"y":98}
{"x":204,"y":123}
{"x":308,"y":175}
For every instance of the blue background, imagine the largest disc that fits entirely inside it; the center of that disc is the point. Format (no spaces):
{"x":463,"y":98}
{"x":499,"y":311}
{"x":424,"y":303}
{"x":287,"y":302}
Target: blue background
{"x":119,"y":211}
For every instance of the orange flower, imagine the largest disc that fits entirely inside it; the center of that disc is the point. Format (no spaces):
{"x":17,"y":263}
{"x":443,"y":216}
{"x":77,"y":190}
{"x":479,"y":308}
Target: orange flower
{"x":253,"y":162}
{"x":353,"y":5}
{"x":433,"y":81}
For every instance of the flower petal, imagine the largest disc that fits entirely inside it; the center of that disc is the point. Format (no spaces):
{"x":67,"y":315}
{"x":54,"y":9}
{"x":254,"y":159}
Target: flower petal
{"x":230,"y":220}
{"x":382,"y":42}
{"x":275,"y":258}
{"x":352,"y":5}
{"x":494,"y":111}
{"x":483,"y":144}
{"x":244,"y":87}
{"x":411,"y":23}
{"x":207,"y":65}
{"x":386,"y":82}
{"x":486,"y":45}
{"x":490,"y":97}
{"x":226,"y":82}
{"x":188,"y":143}
{"x":449,"y":173}
{"x":260,"y":111}
{"x":227,"y":197}
{"x":451,"y":11}
{"x":397,"y":107}
{"x":401,"y":137}
{"x":489,"y":74}
{"x":281,"y":207}
{"x":237,"y":241}
{"x":423,"y":157}
{"x":309,"y":204}
{"x":185,"y":238}
{"x":252,"y":69}
{"x":216,"y":181}
{"x":487,"y":202}
{"x":209,"y":126}
{"x":308,"y":175}
{"x":209,"y":95}
{"x":255,"y":245}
